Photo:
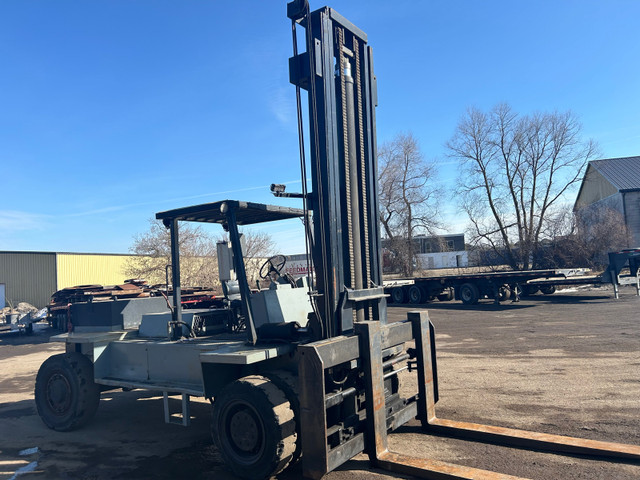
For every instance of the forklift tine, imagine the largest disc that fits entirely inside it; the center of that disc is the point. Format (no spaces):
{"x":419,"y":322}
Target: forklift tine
{"x":371,"y":339}
{"x":488,"y":433}
{"x":533,"y":440}
{"x":435,"y":470}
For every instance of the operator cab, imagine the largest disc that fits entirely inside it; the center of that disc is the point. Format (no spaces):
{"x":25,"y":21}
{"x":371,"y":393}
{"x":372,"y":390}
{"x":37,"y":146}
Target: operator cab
{"x":282,"y":309}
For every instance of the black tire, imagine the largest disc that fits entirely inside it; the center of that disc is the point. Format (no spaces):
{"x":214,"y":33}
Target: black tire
{"x":469,"y":293}
{"x":415,"y":295}
{"x":254,"y":427}
{"x":548,"y":289}
{"x":397,"y":295}
{"x":288,"y":383}
{"x":66,"y":395}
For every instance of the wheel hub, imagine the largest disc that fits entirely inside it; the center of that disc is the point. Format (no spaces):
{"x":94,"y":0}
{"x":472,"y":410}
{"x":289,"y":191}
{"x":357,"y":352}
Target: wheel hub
{"x":59,"y":393}
{"x":244,"y":431}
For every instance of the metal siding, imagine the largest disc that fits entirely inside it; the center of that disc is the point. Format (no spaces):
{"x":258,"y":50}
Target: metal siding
{"x":594,"y":188}
{"x":29,"y":277}
{"x":632,"y":209}
{"x":623,"y":173}
{"x":85,"y":269}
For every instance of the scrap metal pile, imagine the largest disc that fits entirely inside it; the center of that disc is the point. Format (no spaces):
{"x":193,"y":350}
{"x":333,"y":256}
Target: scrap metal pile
{"x":192,"y":297}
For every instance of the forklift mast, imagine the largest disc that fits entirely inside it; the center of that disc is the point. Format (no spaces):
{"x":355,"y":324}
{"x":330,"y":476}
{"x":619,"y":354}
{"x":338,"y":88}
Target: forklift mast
{"x":337,"y":72}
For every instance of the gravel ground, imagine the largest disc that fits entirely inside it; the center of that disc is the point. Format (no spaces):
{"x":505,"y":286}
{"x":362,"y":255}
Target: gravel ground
{"x":567,"y":363}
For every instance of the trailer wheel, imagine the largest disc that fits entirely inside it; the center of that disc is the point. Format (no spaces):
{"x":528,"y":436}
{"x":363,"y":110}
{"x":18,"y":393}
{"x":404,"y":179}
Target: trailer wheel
{"x":254,"y":427}
{"x":415,"y":295}
{"x":66,"y":395}
{"x":397,"y":295}
{"x":548,"y":289}
{"x":469,"y":293}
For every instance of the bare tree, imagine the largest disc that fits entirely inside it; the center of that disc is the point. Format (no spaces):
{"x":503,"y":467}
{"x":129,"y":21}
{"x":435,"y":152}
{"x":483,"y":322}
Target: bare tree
{"x":408,"y":197}
{"x":583,"y":238}
{"x":198,"y":260}
{"x":258,"y":246}
{"x":515,"y":169}
{"x":198,"y":265}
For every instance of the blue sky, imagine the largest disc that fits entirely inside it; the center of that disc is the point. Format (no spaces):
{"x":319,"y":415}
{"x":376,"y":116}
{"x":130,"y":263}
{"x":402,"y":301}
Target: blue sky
{"x":112,"y":110}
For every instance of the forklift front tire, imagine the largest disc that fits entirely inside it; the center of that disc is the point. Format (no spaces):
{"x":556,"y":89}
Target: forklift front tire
{"x":254,"y":427}
{"x":66,"y":395}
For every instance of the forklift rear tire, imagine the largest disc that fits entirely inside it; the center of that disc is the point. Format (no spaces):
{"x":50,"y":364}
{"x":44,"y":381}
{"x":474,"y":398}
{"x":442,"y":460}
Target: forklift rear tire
{"x":66,"y":395}
{"x":469,"y":293}
{"x":254,"y":427}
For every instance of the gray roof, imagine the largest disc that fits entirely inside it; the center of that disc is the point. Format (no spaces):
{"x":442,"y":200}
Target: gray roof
{"x":623,"y":173}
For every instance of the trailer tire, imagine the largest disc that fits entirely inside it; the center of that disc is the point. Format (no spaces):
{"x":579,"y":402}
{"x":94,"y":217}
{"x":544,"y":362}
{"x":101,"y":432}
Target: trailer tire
{"x":469,"y":293}
{"x":416,"y":295}
{"x":397,"y":295}
{"x":548,"y":289}
{"x":66,"y":395}
{"x":254,"y":427}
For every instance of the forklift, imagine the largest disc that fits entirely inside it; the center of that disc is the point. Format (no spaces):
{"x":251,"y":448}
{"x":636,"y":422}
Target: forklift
{"x":306,"y":370}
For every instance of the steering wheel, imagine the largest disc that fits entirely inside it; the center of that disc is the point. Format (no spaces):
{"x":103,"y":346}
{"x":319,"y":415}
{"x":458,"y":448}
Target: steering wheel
{"x":273,"y":264}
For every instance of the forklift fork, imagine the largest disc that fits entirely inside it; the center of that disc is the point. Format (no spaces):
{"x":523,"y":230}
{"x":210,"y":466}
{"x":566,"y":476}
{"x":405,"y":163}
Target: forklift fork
{"x":374,"y":340}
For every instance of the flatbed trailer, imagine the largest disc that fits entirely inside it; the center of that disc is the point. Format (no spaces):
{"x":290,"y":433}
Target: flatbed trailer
{"x":505,"y":285}
{"x":470,"y":288}
{"x":616,"y":275}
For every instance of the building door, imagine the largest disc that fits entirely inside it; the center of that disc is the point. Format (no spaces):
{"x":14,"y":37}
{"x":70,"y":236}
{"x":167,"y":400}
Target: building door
{"x":2,"y":298}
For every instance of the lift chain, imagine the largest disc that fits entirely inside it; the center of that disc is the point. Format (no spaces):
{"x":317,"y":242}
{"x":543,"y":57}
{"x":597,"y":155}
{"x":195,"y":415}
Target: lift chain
{"x":345,"y":135}
{"x":363,"y":170}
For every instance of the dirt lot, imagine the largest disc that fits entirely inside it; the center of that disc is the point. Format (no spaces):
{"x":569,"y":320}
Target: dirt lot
{"x":568,"y":364}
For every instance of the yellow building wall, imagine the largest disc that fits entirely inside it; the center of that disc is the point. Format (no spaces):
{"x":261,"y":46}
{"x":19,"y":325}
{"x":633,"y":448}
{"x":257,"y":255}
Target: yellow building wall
{"x":90,"y":269}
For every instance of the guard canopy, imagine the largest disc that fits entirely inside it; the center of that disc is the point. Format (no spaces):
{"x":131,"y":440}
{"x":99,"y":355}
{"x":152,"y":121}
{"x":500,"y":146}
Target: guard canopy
{"x":246,"y":213}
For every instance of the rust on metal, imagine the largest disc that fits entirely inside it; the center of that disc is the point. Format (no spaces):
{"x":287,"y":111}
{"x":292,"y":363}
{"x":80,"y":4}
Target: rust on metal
{"x":436,"y":470}
{"x":536,"y":440}
{"x":371,"y":349}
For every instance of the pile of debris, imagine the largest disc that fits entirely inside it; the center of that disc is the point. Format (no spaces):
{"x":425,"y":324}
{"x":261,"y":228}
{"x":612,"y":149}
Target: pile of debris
{"x":192,"y":297}
{"x":22,"y":309}
{"x":20,"y":317}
